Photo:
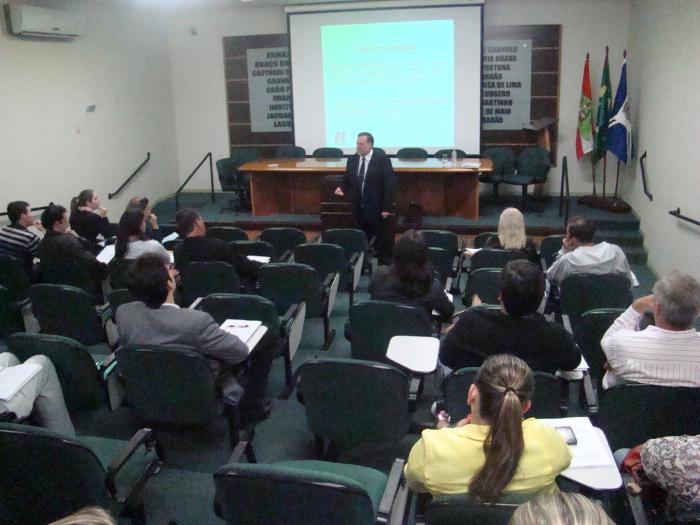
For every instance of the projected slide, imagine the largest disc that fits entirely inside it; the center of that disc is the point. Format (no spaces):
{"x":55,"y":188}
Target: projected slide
{"x":395,"y":78}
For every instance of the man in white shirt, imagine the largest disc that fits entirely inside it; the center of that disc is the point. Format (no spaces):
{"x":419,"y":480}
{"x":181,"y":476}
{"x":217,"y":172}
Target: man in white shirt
{"x":667,"y":354}
{"x":42,"y":392}
{"x":580,"y":255}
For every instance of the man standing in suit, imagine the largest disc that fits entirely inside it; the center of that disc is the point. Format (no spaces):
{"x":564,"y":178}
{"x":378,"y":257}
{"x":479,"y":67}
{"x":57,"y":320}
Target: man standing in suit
{"x":369,"y":181}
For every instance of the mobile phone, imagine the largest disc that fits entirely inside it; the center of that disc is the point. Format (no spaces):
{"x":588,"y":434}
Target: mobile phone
{"x":568,"y":434}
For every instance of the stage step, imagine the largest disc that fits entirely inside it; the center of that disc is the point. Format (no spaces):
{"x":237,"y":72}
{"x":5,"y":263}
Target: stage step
{"x":622,"y":238}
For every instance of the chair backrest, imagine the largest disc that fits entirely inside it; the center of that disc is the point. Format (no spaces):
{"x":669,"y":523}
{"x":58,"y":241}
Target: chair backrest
{"x":484,"y":282}
{"x":46,"y":476}
{"x":286,"y":284}
{"x":67,"y":311}
{"x":351,"y":402}
{"x":441,"y":239}
{"x":283,"y":239}
{"x":118,"y":297}
{"x":226,"y":233}
{"x":262,"y":248}
{"x":495,"y":258}
{"x":374,"y":323}
{"x":290,"y":152}
{"x":324,"y":258}
{"x":83,"y":388}
{"x":592,"y":327}
{"x":170,"y":245}
{"x":460,"y":153}
{"x":14,"y":277}
{"x":328,"y":153}
{"x":546,"y":402}
{"x":503,"y":160}
{"x":227,"y":168}
{"x":441,"y":260}
{"x":631,"y":414}
{"x":10,"y":317}
{"x":582,"y":292}
{"x":351,"y":240}
{"x":412,"y":153}
{"x":72,"y":273}
{"x":481,"y":238}
{"x":168,"y":385}
{"x":252,"y":494}
{"x":534,"y":162}
{"x":457,"y":509}
{"x":549,"y":247}
{"x":202,"y":278}
{"x":117,"y":272}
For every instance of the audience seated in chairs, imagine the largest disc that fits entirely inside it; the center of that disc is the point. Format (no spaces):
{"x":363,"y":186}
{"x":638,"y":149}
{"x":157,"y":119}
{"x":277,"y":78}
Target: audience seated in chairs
{"x":522,"y":456}
{"x":42,"y":394}
{"x":152,"y":229}
{"x":511,"y":235}
{"x":410,"y":278}
{"x":88,"y":218}
{"x":579,"y":254}
{"x":154,"y":319}
{"x":16,"y":240}
{"x":667,"y":354}
{"x":516,"y":329}
{"x":197,"y":247}
{"x":131,"y":238}
{"x":560,"y":508}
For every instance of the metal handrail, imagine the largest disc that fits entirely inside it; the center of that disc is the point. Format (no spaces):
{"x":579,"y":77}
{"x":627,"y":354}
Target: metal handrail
{"x":644,"y":176}
{"x":211,"y":176}
{"x":38,"y":208}
{"x":128,"y":180}
{"x":564,"y":196}
{"x":677,"y":213}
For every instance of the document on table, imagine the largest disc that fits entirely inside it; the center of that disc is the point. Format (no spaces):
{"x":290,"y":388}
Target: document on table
{"x":250,"y":332}
{"x":588,"y":450}
{"x":13,"y":378}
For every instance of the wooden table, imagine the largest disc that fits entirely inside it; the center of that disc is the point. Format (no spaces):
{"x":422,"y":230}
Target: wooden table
{"x":294,"y":185}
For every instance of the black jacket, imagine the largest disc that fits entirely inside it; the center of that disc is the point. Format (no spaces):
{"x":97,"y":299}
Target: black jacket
{"x":378,"y":194}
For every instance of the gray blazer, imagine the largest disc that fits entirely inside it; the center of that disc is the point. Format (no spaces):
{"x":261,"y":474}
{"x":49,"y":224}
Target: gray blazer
{"x":174,"y":327}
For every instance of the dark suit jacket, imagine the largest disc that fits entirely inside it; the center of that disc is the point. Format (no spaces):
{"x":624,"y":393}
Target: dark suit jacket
{"x":378,"y":195}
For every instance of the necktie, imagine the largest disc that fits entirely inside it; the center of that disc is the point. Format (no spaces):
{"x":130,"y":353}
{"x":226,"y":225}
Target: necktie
{"x":361,"y":175}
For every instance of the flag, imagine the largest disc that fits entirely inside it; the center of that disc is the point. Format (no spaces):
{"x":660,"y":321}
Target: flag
{"x":600,"y":146}
{"x":620,"y":126}
{"x":584,"y":130}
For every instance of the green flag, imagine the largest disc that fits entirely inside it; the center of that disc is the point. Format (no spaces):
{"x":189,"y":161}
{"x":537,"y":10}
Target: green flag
{"x":600,"y":146}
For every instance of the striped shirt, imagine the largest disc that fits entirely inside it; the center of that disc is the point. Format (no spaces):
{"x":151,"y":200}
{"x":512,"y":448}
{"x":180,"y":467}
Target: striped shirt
{"x":18,"y":242}
{"x":652,"y":356}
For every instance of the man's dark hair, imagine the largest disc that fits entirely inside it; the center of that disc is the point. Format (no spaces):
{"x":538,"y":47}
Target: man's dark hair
{"x":51,"y":215}
{"x":15,"y":210}
{"x":185,"y":220}
{"x":369,"y":136}
{"x":147,"y":278}
{"x":522,"y":287}
{"x":582,"y":228}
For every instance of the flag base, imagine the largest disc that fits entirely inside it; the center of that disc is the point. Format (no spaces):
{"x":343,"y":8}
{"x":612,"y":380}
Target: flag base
{"x":612,"y":204}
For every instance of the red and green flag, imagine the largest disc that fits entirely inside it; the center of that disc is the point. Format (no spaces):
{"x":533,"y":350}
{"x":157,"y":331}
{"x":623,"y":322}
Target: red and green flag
{"x":604,"y":101}
{"x":584,"y":129}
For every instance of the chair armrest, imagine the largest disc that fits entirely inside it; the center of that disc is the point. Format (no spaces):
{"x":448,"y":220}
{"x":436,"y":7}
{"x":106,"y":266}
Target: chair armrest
{"x":147,"y":438}
{"x":591,"y":395}
{"x":107,"y":366}
{"x":286,"y":256}
{"x":315,"y":239}
{"x":195,"y":303}
{"x":327,"y":282}
{"x":413,"y":389}
{"x":287,"y":319}
{"x":354,"y":258}
{"x":238,"y":451}
{"x":390,"y":490}
{"x":633,"y":492}
{"x":567,"y":323}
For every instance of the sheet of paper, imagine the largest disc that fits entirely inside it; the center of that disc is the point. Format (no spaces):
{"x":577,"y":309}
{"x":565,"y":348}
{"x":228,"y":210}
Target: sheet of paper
{"x":241,"y":328}
{"x":170,"y":237}
{"x":471,"y":251}
{"x":588,"y":451}
{"x":259,"y":258}
{"x":107,"y":254}
{"x":13,"y":378}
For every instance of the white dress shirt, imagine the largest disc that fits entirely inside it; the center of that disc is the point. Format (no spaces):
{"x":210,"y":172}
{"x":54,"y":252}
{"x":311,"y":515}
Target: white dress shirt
{"x":599,"y":259}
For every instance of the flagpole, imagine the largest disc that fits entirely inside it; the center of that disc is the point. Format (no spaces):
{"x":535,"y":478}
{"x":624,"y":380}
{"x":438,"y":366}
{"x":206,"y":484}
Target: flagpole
{"x":605,"y":153}
{"x":617,"y":175}
{"x":593,"y":174}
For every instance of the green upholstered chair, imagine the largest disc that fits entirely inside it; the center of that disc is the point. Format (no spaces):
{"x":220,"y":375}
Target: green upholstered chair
{"x":372,"y":324}
{"x":281,"y":331}
{"x":305,"y":492}
{"x":549,"y":399}
{"x":117,"y":272}
{"x":593,"y":325}
{"x":76,"y":275}
{"x":69,"y":311}
{"x":226,"y":233}
{"x":503,"y":160}
{"x":441,"y":239}
{"x":202,"y":278}
{"x":328,"y":258}
{"x":633,"y":413}
{"x":351,"y":402}
{"x":174,"y":387}
{"x":283,"y":240}
{"x":232,"y":179}
{"x":460,"y":153}
{"x":83,"y":381}
{"x":327,"y":153}
{"x":494,"y":258}
{"x":286,"y":284}
{"x":260,"y":248}
{"x":484,"y":282}
{"x":532,"y":167}
{"x":47,"y":476}
{"x":14,"y":277}
{"x":549,"y":247}
{"x":412,"y":154}
{"x":481,"y":238}
{"x":118,"y":297}
{"x":10,"y":315}
{"x":458,"y":509}
{"x":290,"y":151}
{"x":443,"y":263}
{"x":353,"y":241}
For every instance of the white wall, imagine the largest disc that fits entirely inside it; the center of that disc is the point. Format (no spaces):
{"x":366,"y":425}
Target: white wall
{"x":587,"y":27}
{"x":664,"y":71}
{"x":199,"y":90}
{"x":51,"y":148}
